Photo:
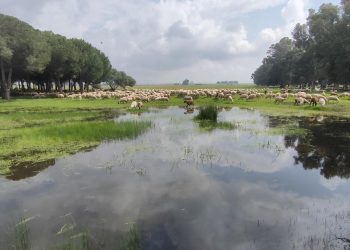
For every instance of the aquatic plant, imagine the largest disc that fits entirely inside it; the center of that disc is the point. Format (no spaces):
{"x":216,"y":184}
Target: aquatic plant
{"x":133,"y":241}
{"x":209,"y":125}
{"x":22,"y":239}
{"x":208,"y":113}
{"x":42,"y":143}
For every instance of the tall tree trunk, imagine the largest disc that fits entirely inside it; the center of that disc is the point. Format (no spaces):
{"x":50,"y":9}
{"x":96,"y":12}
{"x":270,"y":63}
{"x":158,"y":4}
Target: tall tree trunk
{"x":336,"y":86}
{"x":22,"y":85}
{"x":3,"y":79}
{"x":312,"y":85}
{"x":59,"y":85}
{"x":5,"y":83}
{"x":81,"y":86}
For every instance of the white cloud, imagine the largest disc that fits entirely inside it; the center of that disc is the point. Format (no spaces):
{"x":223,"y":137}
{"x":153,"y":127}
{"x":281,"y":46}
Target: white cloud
{"x":152,"y":39}
{"x":333,"y":183}
{"x":271,"y":35}
{"x":295,"y":11}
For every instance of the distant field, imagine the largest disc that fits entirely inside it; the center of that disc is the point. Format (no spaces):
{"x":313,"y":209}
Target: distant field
{"x":201,"y":86}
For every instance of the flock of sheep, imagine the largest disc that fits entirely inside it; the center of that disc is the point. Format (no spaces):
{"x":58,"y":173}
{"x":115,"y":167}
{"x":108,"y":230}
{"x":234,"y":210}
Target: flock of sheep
{"x":138,"y":96}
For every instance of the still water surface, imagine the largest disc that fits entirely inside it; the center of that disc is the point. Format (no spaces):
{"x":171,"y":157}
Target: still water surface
{"x":188,"y":188}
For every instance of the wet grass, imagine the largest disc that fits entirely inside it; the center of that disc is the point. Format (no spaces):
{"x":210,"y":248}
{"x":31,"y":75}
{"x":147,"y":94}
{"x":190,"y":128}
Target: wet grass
{"x":21,"y":239}
{"x":208,"y":113}
{"x":287,"y":129}
{"x":209,"y":125}
{"x":133,"y":240}
{"x":22,"y":235}
{"x":22,"y":119}
{"x":207,"y":119}
{"x":40,"y":143}
{"x":79,"y":241}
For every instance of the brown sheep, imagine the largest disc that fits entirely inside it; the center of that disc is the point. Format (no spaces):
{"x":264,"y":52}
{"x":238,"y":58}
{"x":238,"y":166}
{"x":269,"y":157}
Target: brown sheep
{"x":189,"y":103}
{"x":313,"y":101}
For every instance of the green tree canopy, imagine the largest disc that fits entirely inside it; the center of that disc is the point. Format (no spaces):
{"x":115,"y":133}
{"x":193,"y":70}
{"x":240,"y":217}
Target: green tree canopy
{"x":45,"y":58}
{"x":319,"y":51}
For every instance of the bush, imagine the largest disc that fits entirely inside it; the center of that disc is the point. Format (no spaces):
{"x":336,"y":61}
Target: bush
{"x":209,"y":113}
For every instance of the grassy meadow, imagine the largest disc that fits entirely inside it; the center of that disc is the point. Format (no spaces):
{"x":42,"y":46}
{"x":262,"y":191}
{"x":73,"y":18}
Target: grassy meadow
{"x":36,"y":130}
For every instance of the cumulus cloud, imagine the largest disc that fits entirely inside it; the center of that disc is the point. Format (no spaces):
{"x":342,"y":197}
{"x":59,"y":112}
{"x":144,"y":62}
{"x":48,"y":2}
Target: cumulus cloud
{"x":151,"y":39}
{"x":295,"y":11}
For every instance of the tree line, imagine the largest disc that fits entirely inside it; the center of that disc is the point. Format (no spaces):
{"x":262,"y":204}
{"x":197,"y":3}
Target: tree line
{"x":49,"y":61}
{"x":318,"y":52}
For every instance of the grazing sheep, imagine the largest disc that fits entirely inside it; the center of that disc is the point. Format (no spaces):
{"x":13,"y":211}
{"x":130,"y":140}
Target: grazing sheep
{"x":322,"y":101}
{"x":139,"y":105}
{"x":188,"y":97}
{"x":313,"y":101}
{"x":308,"y":97}
{"x":285,"y":95}
{"x":333,"y":98}
{"x":345,"y":94}
{"x":189,"y":103}
{"x":243,"y":96}
{"x":300,"y":101}
{"x":279,"y":99}
{"x":123,"y":100}
{"x":251,"y":97}
{"x":230,"y":98}
{"x":133,"y":105}
{"x":162,"y":98}
{"x":220,"y":95}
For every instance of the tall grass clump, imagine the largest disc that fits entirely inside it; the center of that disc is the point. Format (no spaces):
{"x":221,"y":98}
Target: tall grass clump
{"x":208,"y":119}
{"x":80,"y":241}
{"x":22,"y":239}
{"x":133,"y":241}
{"x":93,"y":131}
{"x":209,"y":113}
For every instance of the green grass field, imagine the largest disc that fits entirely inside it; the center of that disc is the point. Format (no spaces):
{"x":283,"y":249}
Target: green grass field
{"x":39,"y":130}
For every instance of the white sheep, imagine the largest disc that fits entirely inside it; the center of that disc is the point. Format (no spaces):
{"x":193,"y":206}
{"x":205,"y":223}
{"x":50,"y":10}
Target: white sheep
{"x":133,"y":105}
{"x":139,"y":105}
{"x":123,"y":100}
{"x":322,"y":101}
{"x":333,"y":98}
{"x":279,"y":99}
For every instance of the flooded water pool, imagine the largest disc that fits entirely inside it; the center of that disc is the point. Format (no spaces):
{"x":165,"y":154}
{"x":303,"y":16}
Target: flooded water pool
{"x":183,"y":187}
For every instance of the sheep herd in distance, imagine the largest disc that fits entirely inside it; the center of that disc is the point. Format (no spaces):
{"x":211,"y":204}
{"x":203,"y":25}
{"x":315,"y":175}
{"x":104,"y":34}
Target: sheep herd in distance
{"x":299,"y":97}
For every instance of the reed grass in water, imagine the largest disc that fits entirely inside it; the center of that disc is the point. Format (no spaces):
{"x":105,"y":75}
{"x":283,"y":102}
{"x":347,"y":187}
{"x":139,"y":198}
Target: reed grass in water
{"x":50,"y":141}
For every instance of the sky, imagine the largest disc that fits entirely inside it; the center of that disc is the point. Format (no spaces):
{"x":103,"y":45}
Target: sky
{"x":167,"y":41}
